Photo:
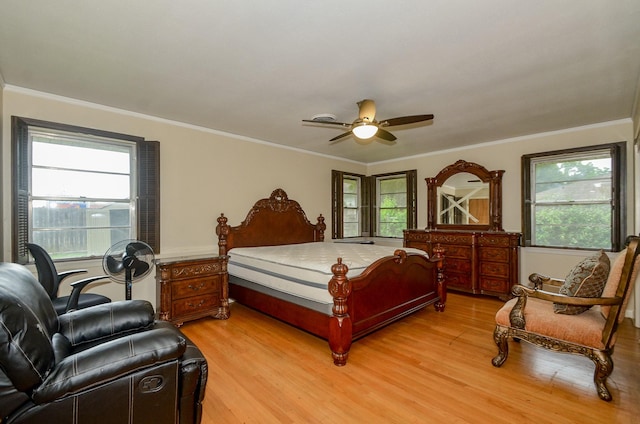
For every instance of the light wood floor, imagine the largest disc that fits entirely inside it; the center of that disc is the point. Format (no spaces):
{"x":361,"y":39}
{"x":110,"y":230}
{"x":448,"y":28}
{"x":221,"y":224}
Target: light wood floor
{"x":428,"y":367}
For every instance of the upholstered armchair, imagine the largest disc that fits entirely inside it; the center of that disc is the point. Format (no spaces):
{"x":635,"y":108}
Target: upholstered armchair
{"x":110,"y":363}
{"x":582,"y":318}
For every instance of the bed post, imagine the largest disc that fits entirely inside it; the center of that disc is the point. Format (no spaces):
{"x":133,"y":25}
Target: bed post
{"x":320,"y":227}
{"x":438,"y":256}
{"x":340,"y":325}
{"x":222,"y":230}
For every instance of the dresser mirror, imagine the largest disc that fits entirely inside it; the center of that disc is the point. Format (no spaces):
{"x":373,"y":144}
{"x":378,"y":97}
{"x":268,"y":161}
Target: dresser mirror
{"x":465,"y":196}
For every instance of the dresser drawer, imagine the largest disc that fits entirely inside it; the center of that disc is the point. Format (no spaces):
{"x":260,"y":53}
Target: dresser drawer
{"x":192,"y":305}
{"x":453,"y":238}
{"x":195,"y":287}
{"x":456,"y":265}
{"x":494,"y":269}
{"x":455,"y":251}
{"x":458,"y":280}
{"x":499,"y":239}
{"x":494,"y":254}
{"x":497,"y":285}
{"x":416,"y":245}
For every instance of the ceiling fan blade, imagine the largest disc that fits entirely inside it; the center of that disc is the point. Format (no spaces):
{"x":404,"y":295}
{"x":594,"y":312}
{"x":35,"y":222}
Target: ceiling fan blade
{"x":342,"y":124}
{"x":385,"y":135}
{"x":367,"y":110}
{"x":340,"y":137}
{"x":404,"y":120}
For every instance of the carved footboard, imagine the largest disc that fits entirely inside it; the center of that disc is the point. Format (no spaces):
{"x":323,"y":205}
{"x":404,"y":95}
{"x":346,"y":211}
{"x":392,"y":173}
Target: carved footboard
{"x":386,"y":291}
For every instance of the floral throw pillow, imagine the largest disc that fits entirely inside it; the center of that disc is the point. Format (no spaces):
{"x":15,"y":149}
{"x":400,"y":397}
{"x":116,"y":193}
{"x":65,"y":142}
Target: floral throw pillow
{"x":587,"y":279}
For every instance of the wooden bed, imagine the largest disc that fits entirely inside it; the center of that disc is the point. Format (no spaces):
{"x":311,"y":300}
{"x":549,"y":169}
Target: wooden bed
{"x":387,"y":290}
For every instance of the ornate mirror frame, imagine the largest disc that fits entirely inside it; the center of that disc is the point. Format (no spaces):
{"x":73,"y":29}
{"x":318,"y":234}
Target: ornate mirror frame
{"x":494,"y":178}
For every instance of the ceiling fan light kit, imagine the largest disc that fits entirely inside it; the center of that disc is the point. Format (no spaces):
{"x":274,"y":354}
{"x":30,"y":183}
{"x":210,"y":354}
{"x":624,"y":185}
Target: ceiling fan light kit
{"x":365,"y":126}
{"x":364,"y":131}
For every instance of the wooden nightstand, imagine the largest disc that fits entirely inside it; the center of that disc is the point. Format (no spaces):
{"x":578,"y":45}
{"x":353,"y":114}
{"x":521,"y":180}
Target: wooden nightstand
{"x":192,"y":287}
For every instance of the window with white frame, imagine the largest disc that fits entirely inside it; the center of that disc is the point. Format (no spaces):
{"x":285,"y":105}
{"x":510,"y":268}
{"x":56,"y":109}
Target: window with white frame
{"x":79,"y":191}
{"x":378,"y":205}
{"x":351,"y":210}
{"x":391,"y":205}
{"x":575,"y":198}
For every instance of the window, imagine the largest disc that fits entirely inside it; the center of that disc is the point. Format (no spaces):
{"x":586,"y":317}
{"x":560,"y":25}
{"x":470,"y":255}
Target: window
{"x":378,"y":205}
{"x":351,"y":206}
{"x":77,"y":191}
{"x":575,"y":198}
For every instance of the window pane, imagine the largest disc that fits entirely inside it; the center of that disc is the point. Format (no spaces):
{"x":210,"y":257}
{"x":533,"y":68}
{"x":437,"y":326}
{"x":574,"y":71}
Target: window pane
{"x":393,"y":185}
{"x":393,"y":200}
{"x":65,"y":152}
{"x":581,"y":226}
{"x":350,"y":200}
{"x":79,"y":229}
{"x":351,"y":206}
{"x":572,"y":180}
{"x":392,"y":229}
{"x":79,"y":242}
{"x":392,"y":204}
{"x":393,"y":215}
{"x":574,"y":191}
{"x":350,"y":186}
{"x":584,"y":168}
{"x":351,"y":215}
{"x":59,"y":214}
{"x":75,"y":184}
{"x":350,"y":230}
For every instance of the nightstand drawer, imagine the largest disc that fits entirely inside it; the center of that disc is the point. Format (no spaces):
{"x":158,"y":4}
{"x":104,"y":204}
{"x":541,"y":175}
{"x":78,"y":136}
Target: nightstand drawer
{"x":195,"y":287}
{"x":194,"y":304}
{"x":195,"y":270}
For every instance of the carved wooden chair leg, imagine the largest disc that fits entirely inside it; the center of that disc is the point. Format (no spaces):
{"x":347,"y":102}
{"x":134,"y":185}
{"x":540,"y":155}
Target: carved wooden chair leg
{"x":500,"y":337}
{"x":604,"y":368}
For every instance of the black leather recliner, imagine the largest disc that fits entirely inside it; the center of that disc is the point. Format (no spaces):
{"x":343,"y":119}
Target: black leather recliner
{"x":111,"y":363}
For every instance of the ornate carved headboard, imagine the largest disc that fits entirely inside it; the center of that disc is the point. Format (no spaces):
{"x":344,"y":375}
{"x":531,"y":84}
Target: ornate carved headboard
{"x":270,"y":222}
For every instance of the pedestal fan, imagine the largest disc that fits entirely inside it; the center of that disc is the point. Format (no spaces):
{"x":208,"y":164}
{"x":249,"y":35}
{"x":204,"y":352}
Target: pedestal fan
{"x":127,"y":261}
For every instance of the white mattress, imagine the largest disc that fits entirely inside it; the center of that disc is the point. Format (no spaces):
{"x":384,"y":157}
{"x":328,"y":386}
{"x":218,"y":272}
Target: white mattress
{"x":304,"y":270}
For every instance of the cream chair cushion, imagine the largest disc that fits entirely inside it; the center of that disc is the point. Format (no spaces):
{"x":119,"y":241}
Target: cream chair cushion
{"x":583,"y":329}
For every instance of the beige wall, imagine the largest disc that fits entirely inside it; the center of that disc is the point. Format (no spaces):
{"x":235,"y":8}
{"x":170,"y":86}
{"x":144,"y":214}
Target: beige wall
{"x":204,"y":173}
{"x":506,"y":155}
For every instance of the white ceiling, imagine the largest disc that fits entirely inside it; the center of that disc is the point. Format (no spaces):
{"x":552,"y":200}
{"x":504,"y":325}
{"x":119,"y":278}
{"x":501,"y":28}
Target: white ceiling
{"x":488,"y":70}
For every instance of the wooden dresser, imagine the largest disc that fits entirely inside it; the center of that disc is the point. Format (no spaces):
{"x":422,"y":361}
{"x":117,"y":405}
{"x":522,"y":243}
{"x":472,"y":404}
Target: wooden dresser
{"x":479,"y":262}
{"x":192,"y":287}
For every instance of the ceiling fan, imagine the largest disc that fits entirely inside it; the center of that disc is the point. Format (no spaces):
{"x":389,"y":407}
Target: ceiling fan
{"x":366,"y":126}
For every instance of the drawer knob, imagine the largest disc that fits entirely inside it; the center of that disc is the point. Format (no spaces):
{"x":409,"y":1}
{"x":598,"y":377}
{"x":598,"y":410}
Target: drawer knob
{"x":196,"y":288}
{"x":192,"y":306}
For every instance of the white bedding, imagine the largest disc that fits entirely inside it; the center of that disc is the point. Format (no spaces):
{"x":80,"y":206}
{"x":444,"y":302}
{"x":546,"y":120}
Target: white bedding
{"x":304,"y":270}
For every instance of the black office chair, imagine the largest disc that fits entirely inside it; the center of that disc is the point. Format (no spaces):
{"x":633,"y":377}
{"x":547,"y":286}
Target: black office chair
{"x":50,"y":279}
